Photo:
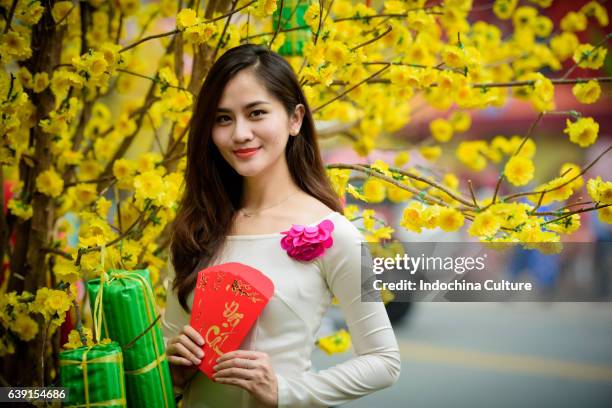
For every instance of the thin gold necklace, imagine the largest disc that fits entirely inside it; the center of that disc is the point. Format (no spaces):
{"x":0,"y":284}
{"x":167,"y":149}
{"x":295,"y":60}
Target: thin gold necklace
{"x":249,"y":214}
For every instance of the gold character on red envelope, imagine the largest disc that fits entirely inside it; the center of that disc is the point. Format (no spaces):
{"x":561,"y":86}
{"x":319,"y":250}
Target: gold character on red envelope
{"x":224,"y":317}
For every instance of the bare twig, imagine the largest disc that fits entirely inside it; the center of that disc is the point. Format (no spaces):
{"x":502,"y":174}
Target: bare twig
{"x":278,"y":24}
{"x":472,"y":194}
{"x":318,"y":108}
{"x":387,"y":31}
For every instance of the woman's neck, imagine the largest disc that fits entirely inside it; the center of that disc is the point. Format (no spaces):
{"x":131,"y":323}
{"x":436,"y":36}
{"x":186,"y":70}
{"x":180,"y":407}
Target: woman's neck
{"x":265,"y":190}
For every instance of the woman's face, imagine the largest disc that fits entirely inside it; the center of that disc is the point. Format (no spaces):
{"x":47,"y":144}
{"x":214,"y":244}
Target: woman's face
{"x":251,"y":126}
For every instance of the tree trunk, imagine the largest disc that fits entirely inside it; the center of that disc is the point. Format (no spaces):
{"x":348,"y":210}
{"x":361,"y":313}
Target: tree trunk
{"x":28,"y":268}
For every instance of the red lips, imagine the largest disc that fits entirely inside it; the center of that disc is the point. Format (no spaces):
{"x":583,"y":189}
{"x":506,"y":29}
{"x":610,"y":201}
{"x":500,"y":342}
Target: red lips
{"x":244,"y":153}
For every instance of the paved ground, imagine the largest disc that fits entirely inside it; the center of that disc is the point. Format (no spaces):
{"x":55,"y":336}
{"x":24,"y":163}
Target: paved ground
{"x":500,"y":355}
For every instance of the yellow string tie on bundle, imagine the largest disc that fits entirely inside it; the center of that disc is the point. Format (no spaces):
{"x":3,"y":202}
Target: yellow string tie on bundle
{"x":98,"y":305}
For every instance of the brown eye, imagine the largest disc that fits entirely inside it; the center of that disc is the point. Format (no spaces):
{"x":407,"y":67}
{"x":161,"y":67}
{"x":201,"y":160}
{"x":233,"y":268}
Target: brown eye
{"x":219,"y":119}
{"x":260,"y":111}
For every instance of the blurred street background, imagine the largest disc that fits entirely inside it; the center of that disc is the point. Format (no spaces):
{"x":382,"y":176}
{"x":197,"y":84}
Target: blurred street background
{"x":499,"y":355}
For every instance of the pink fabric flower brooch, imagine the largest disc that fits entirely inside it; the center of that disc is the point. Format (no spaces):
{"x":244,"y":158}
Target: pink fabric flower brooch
{"x":306,"y":243}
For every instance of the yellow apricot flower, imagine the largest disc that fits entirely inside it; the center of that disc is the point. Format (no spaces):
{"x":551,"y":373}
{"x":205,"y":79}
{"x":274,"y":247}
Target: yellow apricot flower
{"x":356,"y":193}
{"x":57,"y":302}
{"x":485,"y":224}
{"x":338,"y":342}
{"x":430,"y":153}
{"x":350,"y":211}
{"x":381,"y":167}
{"x":65,"y":270}
{"x":524,"y":17}
{"x":368,"y":219}
{"x":449,"y":219}
{"x":85,"y":193}
{"x":397,"y":194}
{"x":504,"y":9}
{"x":600,"y":191}
{"x":563,"y":45}
{"x":311,"y":17}
{"x":149,"y":185}
{"x":461,"y":121}
{"x":574,"y":21}
{"x":25,"y":327}
{"x":605,"y":214}
{"x":374,"y":190}
{"x":403,"y":76}
{"x":594,"y":9}
{"x":583,"y":132}
{"x":186,"y":18}
{"x":40,"y":82}
{"x":199,"y":34}
{"x":381,"y":233}
{"x":265,"y":8}
{"x":20,"y":209}
{"x":441,"y":130}
{"x":519,"y":170}
{"x":543,"y":26}
{"x":470,"y":153}
{"x":411,"y":217}
{"x":50,"y":183}
{"x":570,"y":170}
{"x":338,"y":179}
{"x":587,"y":56}
{"x":74,"y":339}
{"x":511,"y":215}
{"x":102,"y":206}
{"x":401,"y":159}
{"x":94,"y":232}
{"x":587,"y":92}
{"x":566,"y":225}
{"x":61,"y":9}
{"x":337,"y":53}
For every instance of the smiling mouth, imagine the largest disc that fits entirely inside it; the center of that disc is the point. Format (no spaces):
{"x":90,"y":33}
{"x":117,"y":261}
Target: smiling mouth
{"x":244,"y":153}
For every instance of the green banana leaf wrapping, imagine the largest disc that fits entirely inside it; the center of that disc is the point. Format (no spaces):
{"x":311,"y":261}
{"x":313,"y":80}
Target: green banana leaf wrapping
{"x":94,"y":376}
{"x":127,"y":311}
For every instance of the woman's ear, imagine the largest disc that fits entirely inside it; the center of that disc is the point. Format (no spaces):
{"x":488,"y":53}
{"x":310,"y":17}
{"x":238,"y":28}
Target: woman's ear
{"x":295,"y":122}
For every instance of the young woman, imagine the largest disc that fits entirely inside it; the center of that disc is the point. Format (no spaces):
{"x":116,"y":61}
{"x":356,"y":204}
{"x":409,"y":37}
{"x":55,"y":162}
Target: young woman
{"x":254,"y":170}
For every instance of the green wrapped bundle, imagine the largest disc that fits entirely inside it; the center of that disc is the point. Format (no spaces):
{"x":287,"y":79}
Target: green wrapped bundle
{"x":292,"y":16}
{"x":125,"y":311}
{"x":93,"y":376}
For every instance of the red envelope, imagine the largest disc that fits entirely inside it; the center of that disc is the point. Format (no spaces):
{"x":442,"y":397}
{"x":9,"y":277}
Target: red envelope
{"x":228,"y":299}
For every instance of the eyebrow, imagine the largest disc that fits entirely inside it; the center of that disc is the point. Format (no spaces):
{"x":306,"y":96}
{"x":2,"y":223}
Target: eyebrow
{"x":247,"y":106}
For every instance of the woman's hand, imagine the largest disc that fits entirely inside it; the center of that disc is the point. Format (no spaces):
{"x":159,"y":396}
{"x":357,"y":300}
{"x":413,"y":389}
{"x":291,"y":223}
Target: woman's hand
{"x":185,"y":353}
{"x":250,"y":370}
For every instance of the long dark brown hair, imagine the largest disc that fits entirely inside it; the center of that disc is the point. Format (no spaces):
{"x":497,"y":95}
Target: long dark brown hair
{"x":213,"y":189}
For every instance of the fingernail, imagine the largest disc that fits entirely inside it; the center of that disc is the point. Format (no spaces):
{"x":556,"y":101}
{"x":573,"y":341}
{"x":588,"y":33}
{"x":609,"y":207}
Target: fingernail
{"x":200,"y":353}
{"x":215,"y":367}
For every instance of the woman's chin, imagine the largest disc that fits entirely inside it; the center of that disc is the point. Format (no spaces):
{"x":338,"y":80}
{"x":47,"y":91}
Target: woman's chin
{"x":247,"y":171}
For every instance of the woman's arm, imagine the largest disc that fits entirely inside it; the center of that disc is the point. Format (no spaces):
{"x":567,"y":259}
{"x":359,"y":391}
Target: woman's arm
{"x":377,"y":364}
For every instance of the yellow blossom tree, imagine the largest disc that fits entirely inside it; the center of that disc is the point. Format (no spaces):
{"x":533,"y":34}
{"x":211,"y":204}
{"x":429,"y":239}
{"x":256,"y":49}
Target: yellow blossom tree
{"x":96,"y":99}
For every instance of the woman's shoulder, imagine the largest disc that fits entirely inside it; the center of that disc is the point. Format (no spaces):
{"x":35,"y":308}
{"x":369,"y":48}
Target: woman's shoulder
{"x":315,"y":211}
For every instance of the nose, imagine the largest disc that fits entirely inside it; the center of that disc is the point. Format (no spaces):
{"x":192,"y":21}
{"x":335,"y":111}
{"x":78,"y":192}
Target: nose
{"x":242,"y":132}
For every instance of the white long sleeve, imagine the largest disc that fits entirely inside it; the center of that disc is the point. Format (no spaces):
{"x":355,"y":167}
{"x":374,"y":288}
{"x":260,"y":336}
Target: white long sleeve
{"x":377,"y":364}
{"x":287,"y":326}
